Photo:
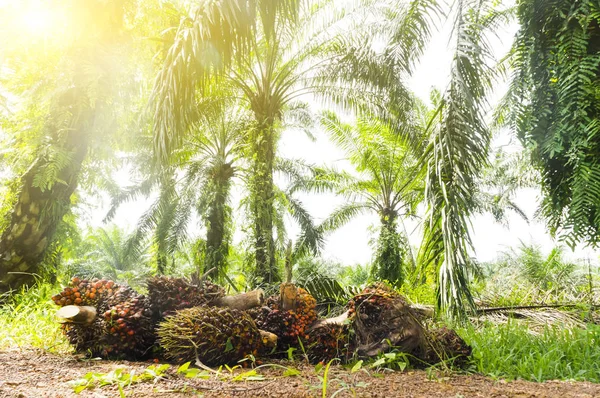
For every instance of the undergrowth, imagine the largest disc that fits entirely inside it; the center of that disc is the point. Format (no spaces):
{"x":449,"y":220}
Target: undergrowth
{"x":27,"y":321}
{"x":511,"y":351}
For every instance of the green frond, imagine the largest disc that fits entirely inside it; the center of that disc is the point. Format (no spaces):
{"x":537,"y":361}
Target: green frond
{"x":455,"y":156}
{"x":343,"y":215}
{"x":218,"y":33}
{"x":411,"y":25}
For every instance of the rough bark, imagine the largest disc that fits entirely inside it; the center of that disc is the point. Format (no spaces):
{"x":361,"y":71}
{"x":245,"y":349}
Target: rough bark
{"x":36,"y":215}
{"x":391,"y":250}
{"x":217,"y":240}
{"x":262,"y":200}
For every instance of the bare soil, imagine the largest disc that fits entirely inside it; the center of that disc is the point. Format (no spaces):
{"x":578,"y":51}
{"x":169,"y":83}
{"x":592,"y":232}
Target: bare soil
{"x":39,"y":374}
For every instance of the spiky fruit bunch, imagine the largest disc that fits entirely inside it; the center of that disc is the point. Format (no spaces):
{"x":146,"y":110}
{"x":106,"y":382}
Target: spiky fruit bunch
{"x":382,"y":319}
{"x":445,"y":344}
{"x":288,"y":325}
{"x":128,"y":320}
{"x":372,"y":302}
{"x":123,"y":324}
{"x":215,"y":336}
{"x":327,"y":342}
{"x":169,"y":294}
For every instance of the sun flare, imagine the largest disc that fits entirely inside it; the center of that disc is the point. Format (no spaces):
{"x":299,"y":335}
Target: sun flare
{"x":38,"y":19}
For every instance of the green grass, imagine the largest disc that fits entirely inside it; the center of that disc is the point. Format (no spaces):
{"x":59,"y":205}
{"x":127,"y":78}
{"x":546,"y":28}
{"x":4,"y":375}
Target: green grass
{"x":27,"y":321}
{"x":511,"y":352}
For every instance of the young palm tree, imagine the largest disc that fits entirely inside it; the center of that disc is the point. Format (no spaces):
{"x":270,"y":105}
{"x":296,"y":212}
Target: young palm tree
{"x":199,"y":177}
{"x":103,"y":253}
{"x":278,"y":54}
{"x":389,"y":183}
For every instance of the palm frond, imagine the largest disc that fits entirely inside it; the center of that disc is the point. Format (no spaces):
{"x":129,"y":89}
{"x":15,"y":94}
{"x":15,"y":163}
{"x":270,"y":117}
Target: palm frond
{"x":455,"y":155}
{"x":343,"y":215}
{"x":218,"y":33}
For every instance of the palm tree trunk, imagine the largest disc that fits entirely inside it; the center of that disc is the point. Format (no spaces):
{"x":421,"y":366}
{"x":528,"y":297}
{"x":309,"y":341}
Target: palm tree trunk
{"x":217,"y":235}
{"x":36,"y":215}
{"x":262,"y":199}
{"x":389,"y":258}
{"x":161,"y":263}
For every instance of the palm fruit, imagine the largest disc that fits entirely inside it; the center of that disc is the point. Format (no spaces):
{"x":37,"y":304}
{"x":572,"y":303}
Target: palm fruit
{"x":372,"y":302}
{"x":382,"y":320}
{"x":84,"y":292}
{"x":445,"y":344}
{"x":215,"y":336}
{"x":169,"y":294}
{"x":290,"y":324}
{"x":123,"y":324}
{"x":327,"y":342}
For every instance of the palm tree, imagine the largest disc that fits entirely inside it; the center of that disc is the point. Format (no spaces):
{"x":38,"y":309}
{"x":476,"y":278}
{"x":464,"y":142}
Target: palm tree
{"x":389,"y":183}
{"x":499,"y":182}
{"x":199,"y":177}
{"x":219,"y":151}
{"x":70,"y":104}
{"x":103,"y":253}
{"x":198,"y":180}
{"x":269,"y":56}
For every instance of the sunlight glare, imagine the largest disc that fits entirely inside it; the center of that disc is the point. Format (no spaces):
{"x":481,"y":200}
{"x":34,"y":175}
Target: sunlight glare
{"x":38,"y":18}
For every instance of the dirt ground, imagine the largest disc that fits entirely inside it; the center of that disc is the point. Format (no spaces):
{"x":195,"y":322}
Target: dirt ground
{"x":38,"y":374}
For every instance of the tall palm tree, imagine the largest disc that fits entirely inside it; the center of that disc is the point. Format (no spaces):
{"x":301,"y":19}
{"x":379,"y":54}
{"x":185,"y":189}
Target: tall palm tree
{"x":268,"y":56}
{"x":219,"y":151}
{"x":71,"y":83}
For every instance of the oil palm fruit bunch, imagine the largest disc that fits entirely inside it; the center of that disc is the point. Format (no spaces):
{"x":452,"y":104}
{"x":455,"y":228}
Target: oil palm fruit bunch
{"x":372,"y":301}
{"x":327,"y":342}
{"x":215,"y":336}
{"x":122,"y":326}
{"x":169,"y":294}
{"x":382,"y":320}
{"x":85,"y":292}
{"x":129,"y":324}
{"x":444,"y":344}
{"x":288,"y":324}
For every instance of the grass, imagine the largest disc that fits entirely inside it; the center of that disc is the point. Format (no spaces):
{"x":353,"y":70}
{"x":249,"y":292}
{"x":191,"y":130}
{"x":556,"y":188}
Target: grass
{"x":27,"y":321}
{"x":510,"y":351}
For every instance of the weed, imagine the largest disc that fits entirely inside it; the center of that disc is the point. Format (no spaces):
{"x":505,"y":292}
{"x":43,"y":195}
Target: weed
{"x":118,"y":377}
{"x":510,"y":351}
{"x":28,"y":321}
